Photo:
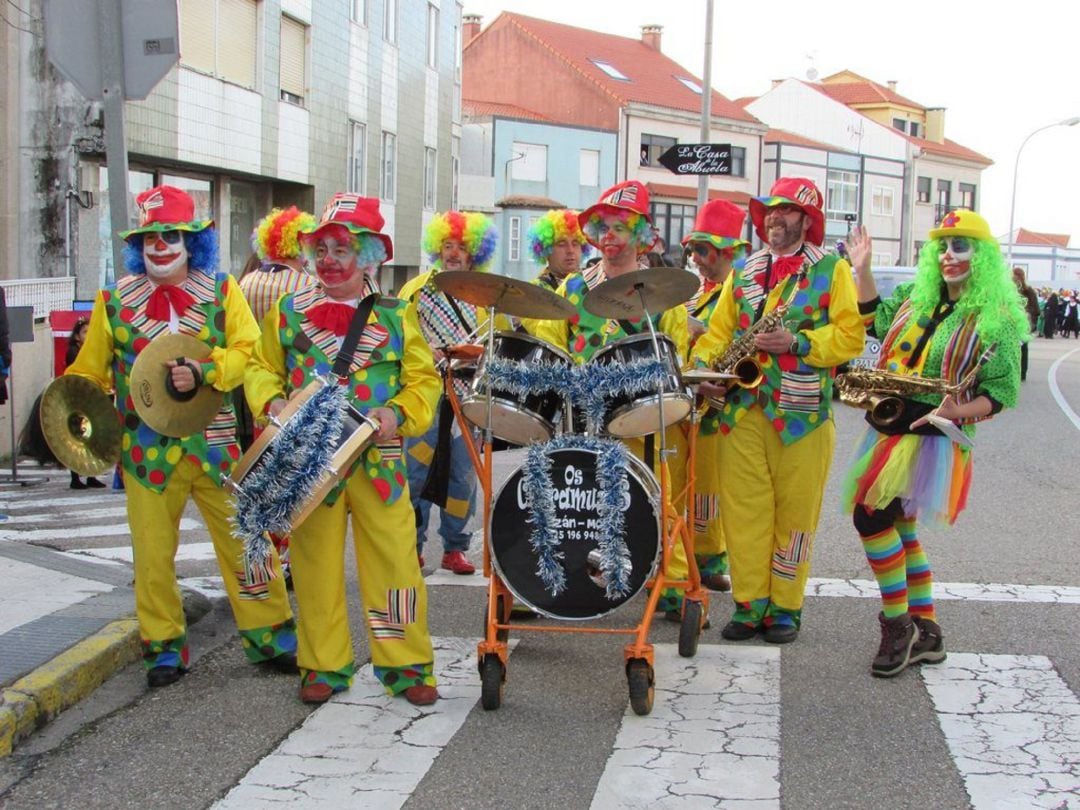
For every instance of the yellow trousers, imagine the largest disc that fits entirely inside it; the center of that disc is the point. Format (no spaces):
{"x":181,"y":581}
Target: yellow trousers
{"x":708,"y":528}
{"x":391,"y":584}
{"x":770,"y":502}
{"x":154,"y":518}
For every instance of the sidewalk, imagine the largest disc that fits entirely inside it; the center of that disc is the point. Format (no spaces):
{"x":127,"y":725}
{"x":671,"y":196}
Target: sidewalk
{"x":66,"y":624}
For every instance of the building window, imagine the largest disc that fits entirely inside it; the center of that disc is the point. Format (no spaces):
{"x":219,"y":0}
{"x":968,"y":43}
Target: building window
{"x":672,"y":223}
{"x":389,"y":166}
{"x":389,"y":29}
{"x":359,"y":11}
{"x":882,"y":202}
{"x":923,"y":193}
{"x":914,"y":129}
{"x":432,"y":36}
{"x":842,"y":195}
{"x":738,"y":161}
{"x":900,"y":124}
{"x":610,"y":70}
{"x":532,"y":165}
{"x":357,"y":156}
{"x":513,"y":243}
{"x":430,"y":163}
{"x":653,"y":146}
{"x":881,"y":259}
{"x":589,"y":167}
{"x":220,"y":37}
{"x":455,"y":172}
{"x":690,"y":84}
{"x":944,"y":192}
{"x":967,"y":195}
{"x":293,"y":67}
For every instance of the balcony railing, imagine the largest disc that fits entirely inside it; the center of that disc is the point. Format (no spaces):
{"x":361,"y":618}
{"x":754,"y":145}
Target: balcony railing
{"x":43,"y":294}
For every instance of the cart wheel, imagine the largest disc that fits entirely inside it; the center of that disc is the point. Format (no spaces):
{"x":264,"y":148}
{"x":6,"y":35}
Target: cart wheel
{"x":639,"y":677}
{"x":500,"y":606}
{"x":690,"y":629}
{"x":492,"y":675}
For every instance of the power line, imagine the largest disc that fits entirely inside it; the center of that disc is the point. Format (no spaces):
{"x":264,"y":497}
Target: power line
{"x":19,"y":9}
{"x":10,"y":24}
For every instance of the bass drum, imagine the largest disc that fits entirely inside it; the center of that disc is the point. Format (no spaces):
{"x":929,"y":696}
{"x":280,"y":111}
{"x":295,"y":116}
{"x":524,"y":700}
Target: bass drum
{"x":573,"y":474}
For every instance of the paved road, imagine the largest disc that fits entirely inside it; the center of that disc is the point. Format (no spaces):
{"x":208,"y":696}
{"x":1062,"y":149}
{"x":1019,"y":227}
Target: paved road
{"x":739,"y":725}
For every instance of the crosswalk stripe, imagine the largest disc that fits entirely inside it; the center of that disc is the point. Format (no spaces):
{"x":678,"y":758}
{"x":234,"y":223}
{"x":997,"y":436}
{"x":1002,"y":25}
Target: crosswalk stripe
{"x":34,"y":500}
{"x":1012,"y":726}
{"x":365,"y":743}
{"x":971,"y":591}
{"x":84,"y":515}
{"x":185,"y":551}
{"x":713,"y":734}
{"x":69,"y":532}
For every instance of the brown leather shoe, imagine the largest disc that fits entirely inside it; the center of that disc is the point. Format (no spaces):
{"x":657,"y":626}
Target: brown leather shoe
{"x":421,"y":695}
{"x":315,"y":692}
{"x":717,"y":582}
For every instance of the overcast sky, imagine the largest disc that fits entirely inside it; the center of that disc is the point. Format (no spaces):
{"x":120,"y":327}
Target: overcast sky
{"x":1000,"y":71}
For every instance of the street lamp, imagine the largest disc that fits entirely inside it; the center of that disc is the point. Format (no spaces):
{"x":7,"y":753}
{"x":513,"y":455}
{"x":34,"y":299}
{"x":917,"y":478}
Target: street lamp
{"x":1068,"y":122}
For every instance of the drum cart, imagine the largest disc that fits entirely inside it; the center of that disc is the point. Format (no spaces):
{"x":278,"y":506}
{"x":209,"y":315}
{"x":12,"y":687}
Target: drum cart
{"x":492,"y":651}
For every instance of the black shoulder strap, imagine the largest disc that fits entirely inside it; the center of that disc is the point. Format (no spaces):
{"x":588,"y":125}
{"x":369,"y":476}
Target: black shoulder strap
{"x":356,"y":328}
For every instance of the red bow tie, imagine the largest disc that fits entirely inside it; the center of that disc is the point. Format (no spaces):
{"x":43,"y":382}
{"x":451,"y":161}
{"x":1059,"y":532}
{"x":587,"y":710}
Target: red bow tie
{"x":331,"y":316}
{"x":165,"y":298}
{"x":784,"y":266}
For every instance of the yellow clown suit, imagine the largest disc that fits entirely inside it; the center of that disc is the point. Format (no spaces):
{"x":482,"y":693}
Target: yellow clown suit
{"x":163,"y":295}
{"x":391,"y":370}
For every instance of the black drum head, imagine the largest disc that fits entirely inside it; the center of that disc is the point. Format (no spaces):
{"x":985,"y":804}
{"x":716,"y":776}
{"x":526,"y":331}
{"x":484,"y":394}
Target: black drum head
{"x":573,"y":475}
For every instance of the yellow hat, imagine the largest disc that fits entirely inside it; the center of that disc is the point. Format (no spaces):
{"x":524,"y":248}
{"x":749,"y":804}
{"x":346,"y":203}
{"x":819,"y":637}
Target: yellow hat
{"x":962,"y":223}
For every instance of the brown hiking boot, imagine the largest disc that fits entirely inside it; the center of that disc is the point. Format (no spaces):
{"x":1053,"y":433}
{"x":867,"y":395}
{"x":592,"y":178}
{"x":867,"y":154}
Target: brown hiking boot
{"x":929,"y":647}
{"x":898,"y":636}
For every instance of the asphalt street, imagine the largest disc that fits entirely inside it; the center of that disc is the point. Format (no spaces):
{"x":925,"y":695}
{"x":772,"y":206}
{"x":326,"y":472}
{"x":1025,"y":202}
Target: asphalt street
{"x":842,"y":739}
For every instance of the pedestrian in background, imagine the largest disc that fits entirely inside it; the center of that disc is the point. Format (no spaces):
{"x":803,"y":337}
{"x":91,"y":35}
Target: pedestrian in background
{"x":1031,"y":305}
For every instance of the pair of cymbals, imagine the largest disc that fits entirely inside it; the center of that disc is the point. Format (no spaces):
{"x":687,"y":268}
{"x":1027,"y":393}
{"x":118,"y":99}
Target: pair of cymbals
{"x":158,"y":403}
{"x":631,"y":294}
{"x":81,"y":425}
{"x":511,"y":296}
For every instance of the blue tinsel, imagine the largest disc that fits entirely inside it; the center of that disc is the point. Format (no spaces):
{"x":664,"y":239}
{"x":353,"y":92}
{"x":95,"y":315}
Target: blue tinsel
{"x":615,"y":563}
{"x":284,"y":479}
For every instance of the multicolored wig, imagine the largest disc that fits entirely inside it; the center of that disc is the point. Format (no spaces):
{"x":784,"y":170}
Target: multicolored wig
{"x":642,"y":233}
{"x":475,"y":230}
{"x":275,"y":238}
{"x":552,"y":227}
{"x":990,"y":293}
{"x":369,"y":248}
{"x":202,"y":248}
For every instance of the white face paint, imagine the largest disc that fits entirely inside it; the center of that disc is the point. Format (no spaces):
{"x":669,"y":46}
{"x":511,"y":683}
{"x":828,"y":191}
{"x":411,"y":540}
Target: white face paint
{"x":164,"y":255}
{"x":955,"y":258}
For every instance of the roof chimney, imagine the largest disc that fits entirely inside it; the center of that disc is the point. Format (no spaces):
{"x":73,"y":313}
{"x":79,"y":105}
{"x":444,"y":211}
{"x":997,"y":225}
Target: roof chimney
{"x":470,"y":27}
{"x":935,"y":124}
{"x":650,"y":35}
{"x":892,"y":85}
{"x":776,"y":83}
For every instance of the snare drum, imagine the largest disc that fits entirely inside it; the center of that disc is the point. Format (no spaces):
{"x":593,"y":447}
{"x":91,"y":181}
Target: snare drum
{"x":573,"y":473}
{"x":518,"y":420}
{"x":357,"y":432}
{"x":630,"y":415}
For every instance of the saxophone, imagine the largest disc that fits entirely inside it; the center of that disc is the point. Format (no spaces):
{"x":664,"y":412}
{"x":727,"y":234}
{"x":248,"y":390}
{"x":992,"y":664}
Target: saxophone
{"x":882,"y":393}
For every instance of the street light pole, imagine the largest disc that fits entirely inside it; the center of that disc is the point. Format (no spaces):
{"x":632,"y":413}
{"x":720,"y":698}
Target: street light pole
{"x":1068,"y":122}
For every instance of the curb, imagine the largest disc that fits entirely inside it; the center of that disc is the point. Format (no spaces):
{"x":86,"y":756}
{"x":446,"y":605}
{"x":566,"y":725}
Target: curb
{"x":35,"y":699}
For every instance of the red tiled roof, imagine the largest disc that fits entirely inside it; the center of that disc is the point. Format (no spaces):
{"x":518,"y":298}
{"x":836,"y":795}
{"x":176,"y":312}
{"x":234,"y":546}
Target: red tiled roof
{"x":783,"y":136}
{"x":653,"y":77}
{"x":746,"y":100}
{"x":690,"y":193}
{"x":949,"y":149}
{"x":1026,"y":237}
{"x":479,"y":109}
{"x":865,"y":92}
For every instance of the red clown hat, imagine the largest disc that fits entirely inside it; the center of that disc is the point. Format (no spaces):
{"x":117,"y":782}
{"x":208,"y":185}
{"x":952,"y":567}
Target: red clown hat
{"x":720,"y":223}
{"x":797,"y":191}
{"x":360,"y":215}
{"x":166,"y":208}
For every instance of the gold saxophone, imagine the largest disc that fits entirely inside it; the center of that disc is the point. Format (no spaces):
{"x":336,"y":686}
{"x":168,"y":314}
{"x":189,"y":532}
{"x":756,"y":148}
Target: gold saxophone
{"x":882,"y":393}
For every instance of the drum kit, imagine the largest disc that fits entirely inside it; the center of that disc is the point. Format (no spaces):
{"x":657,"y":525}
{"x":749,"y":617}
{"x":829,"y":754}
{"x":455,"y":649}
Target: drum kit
{"x":504,"y":408}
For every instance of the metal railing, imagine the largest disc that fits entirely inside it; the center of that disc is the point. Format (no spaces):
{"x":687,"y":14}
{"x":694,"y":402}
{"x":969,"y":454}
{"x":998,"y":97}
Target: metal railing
{"x":43,"y":294}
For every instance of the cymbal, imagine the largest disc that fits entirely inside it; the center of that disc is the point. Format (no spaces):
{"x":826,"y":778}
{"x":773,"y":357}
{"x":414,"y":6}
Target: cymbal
{"x":81,"y":425}
{"x":694,"y":376}
{"x":166,"y":411}
{"x":662,"y":288}
{"x":509,"y":295}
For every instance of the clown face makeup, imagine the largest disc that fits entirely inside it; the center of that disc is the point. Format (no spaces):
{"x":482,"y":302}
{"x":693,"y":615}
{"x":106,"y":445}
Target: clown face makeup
{"x":954,"y":255}
{"x":454,"y":255}
{"x":337,"y":268}
{"x":615,"y":239}
{"x":565,"y":257}
{"x":165,"y":256}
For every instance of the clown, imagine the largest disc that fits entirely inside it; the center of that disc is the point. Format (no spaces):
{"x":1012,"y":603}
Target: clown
{"x":392,"y":380}
{"x":555,"y":244}
{"x":715,"y":245}
{"x":454,"y":241}
{"x":173,"y":287}
{"x":282,"y":265}
{"x":962,"y":302}
{"x":618,"y":226}
{"x":776,"y":439}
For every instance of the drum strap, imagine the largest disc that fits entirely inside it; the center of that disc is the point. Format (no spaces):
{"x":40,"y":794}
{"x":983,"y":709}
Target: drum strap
{"x":343,"y":361}
{"x":436,"y":487}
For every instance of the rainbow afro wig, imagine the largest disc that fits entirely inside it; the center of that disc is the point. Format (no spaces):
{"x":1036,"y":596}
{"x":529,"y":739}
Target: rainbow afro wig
{"x":369,"y":248}
{"x":552,"y":227}
{"x":275,"y":238}
{"x":476,"y":231}
{"x":642,"y":232}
